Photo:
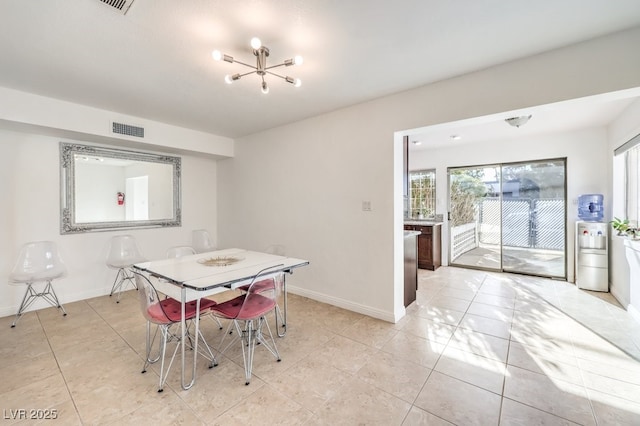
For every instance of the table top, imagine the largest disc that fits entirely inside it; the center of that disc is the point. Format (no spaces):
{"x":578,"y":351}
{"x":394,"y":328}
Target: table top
{"x":193,"y":272}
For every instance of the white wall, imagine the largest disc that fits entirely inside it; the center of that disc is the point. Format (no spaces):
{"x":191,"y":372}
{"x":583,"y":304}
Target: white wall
{"x":584,"y":149}
{"x":625,"y":127}
{"x":29,"y":184}
{"x":303,"y":184}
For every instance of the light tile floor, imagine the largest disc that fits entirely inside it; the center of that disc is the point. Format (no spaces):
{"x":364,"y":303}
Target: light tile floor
{"x":475,"y":348}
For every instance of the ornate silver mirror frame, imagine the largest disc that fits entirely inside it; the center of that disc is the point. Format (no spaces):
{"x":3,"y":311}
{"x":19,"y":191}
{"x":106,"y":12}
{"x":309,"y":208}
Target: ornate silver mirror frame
{"x":92,"y":199}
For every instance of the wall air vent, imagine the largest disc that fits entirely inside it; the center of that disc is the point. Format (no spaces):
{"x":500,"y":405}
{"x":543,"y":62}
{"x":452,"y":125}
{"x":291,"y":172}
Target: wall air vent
{"x":127,"y":129}
{"x":121,"y":5}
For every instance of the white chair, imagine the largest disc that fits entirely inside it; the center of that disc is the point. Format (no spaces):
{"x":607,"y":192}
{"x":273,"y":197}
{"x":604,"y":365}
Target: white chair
{"x":37,"y":262}
{"x":201,"y":241}
{"x":179,"y":251}
{"x":123,"y":254}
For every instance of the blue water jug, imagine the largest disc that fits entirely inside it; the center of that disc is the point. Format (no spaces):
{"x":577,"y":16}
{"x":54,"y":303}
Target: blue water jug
{"x":590,"y":207}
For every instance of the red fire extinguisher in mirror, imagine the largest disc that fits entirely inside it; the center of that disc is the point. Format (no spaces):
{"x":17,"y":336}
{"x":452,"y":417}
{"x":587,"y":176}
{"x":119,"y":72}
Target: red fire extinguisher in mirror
{"x":120,"y":198}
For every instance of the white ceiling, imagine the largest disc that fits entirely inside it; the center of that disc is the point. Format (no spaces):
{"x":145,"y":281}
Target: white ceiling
{"x":596,"y":111}
{"x":155,"y":61}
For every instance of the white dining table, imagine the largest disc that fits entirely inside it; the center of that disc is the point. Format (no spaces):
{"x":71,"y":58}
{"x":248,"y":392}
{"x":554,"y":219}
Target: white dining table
{"x":193,"y":277}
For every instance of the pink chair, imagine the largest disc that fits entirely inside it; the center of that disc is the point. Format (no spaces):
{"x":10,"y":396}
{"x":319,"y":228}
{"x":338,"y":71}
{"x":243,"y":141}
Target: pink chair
{"x":248,"y":314}
{"x":268,"y":285}
{"x":165,"y":313}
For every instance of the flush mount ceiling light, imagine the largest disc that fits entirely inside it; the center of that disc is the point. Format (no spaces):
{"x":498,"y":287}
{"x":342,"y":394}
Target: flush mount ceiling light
{"x":261,"y":69}
{"x":518,"y":121}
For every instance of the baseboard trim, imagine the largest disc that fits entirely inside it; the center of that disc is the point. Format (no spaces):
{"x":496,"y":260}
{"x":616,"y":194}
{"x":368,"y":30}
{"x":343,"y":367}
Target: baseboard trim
{"x":345,"y":304}
{"x":635,"y":314}
{"x":614,"y":292}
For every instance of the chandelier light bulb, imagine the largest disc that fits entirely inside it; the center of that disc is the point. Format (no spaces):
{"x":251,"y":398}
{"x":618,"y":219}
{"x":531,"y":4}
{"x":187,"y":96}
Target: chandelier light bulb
{"x":217,"y":55}
{"x":228,"y":79}
{"x":256,"y":43}
{"x":265,"y":88}
{"x":298,"y":60}
{"x":297,"y":82}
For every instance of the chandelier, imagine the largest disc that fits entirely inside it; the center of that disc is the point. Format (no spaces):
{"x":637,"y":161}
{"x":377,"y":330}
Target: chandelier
{"x":261,"y":69}
{"x":518,"y":121}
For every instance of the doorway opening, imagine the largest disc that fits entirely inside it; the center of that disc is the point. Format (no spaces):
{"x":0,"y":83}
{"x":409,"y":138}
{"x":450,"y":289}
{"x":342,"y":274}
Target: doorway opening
{"x":137,"y":206}
{"x":509,"y":217}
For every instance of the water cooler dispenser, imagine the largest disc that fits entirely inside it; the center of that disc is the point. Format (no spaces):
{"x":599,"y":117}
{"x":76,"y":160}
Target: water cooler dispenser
{"x":592,"y":259}
{"x":591,"y":207}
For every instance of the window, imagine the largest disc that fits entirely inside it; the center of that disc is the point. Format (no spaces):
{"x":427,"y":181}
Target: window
{"x":422,"y":193}
{"x":632,"y":184}
{"x":627,"y":160}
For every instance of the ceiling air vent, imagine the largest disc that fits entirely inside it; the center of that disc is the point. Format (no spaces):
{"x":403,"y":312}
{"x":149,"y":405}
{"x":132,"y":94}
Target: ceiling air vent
{"x":127,"y":129}
{"x":122,"y":5}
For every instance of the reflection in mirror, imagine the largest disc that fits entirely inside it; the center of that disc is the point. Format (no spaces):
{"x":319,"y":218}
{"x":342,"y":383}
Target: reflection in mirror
{"x":105,"y":188}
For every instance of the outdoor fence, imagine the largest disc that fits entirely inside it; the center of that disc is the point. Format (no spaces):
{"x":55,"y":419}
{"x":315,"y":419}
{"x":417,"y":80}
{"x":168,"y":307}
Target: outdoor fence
{"x":536,"y":224}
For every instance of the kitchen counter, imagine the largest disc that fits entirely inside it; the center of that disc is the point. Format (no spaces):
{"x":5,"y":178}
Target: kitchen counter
{"x":421,"y":222}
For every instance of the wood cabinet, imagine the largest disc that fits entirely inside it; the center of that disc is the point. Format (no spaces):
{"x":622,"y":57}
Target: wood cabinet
{"x":429,"y":245}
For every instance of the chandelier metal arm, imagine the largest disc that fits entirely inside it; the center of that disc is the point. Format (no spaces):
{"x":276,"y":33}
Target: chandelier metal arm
{"x":246,"y":73}
{"x":277,"y":75}
{"x":246,"y":65}
{"x":275,"y":66}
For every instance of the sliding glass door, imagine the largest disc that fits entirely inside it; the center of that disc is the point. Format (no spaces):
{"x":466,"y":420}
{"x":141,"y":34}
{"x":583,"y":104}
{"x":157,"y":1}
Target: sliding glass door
{"x":509,"y":217}
{"x":475,"y":223}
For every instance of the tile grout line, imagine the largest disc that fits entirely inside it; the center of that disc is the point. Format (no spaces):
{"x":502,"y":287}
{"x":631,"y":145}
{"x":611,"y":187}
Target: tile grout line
{"x":64,"y":379}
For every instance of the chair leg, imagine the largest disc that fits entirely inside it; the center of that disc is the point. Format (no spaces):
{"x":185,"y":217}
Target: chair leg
{"x":27,"y":300}
{"x":247,"y":354}
{"x":229,"y":331}
{"x":118,"y":284}
{"x":282,"y":323}
{"x":251,"y":336}
{"x":167,"y":336}
{"x":262,"y":322}
{"x":50,"y":296}
{"x":217,"y":320}
{"x":209,"y":355}
{"x":163,"y":345}
{"x":30,"y":295}
{"x":149,"y":344}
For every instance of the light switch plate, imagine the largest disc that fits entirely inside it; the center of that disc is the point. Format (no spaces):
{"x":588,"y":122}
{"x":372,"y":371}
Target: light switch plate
{"x":366,"y":206}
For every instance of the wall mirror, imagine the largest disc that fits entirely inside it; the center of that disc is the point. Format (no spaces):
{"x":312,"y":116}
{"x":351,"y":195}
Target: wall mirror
{"x":105,"y":189}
